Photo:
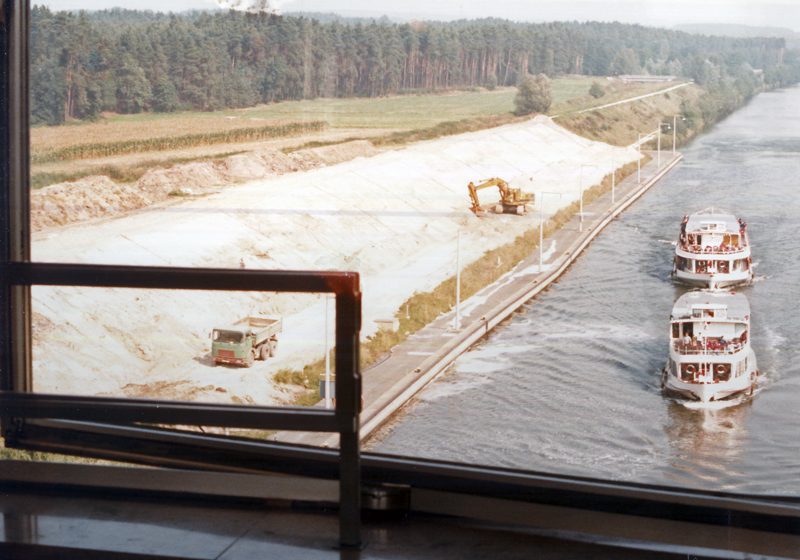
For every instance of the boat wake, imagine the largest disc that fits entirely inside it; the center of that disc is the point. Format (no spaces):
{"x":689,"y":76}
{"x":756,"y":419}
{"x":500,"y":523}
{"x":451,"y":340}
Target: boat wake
{"x":714,"y":405}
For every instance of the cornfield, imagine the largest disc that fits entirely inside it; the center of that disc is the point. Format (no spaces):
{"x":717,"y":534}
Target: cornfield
{"x":104,"y":149}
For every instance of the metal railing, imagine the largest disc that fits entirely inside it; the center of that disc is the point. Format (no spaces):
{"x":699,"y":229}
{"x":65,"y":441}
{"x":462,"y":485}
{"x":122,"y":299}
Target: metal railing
{"x":113,"y":428}
{"x":712,"y":251}
{"x":707,"y":349}
{"x":19,"y":404}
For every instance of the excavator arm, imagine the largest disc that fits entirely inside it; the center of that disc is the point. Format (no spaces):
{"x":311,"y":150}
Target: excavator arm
{"x":473,"y":192}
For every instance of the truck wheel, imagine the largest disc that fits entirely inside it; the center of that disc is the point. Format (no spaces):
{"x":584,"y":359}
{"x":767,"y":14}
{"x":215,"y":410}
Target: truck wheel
{"x":251,"y":358}
{"x":498,"y":209}
{"x":263,"y":352}
{"x":273,"y":347}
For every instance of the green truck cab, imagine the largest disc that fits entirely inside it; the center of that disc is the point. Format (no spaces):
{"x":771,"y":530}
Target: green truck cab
{"x":247,"y":340}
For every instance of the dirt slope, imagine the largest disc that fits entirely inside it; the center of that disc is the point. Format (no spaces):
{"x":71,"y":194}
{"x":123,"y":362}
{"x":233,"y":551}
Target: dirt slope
{"x":99,"y":197}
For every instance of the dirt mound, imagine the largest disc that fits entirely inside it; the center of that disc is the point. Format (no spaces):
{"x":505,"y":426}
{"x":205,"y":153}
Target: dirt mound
{"x":329,"y":155}
{"x":84,"y":199}
{"x":98,"y":196}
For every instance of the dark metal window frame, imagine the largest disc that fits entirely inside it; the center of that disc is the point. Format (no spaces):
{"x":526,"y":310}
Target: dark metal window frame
{"x":20,"y":406}
{"x":112,"y":428}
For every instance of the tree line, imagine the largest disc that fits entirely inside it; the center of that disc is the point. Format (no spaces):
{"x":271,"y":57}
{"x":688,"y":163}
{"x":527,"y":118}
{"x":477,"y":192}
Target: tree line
{"x":130,"y":61}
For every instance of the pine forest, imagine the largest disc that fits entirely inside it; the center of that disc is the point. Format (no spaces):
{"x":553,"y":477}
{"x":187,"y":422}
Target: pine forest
{"x":126,"y":61}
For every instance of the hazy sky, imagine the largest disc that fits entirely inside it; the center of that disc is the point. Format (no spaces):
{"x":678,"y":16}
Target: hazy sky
{"x":658,"y":13}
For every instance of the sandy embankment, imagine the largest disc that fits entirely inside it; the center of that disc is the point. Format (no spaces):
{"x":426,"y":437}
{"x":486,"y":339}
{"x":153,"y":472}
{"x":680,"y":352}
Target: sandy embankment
{"x":393,"y":217}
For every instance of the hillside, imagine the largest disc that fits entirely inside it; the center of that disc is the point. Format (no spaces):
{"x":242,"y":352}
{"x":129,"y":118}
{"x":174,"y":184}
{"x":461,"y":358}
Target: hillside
{"x":394,"y":217}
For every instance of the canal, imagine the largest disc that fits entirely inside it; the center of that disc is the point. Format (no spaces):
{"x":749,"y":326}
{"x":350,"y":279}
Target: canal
{"x":571,"y":384}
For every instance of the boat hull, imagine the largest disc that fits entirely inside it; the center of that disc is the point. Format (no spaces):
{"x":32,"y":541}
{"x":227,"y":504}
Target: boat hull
{"x":714,"y":391}
{"x":714,"y":281}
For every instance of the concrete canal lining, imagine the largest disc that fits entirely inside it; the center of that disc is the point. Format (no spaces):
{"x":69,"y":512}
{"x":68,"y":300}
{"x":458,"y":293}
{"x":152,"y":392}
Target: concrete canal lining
{"x":391,"y":384}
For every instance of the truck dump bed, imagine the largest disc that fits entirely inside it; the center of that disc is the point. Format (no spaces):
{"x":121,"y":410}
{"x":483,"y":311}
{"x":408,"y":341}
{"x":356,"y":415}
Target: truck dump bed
{"x":257,"y":323}
{"x":262,"y":327}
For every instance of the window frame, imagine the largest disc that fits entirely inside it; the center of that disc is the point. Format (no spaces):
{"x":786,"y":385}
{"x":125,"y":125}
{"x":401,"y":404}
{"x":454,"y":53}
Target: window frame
{"x":85,"y":426}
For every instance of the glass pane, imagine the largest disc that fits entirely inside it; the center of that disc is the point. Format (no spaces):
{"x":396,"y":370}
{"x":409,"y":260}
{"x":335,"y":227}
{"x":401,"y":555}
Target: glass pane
{"x":311,"y":144}
{"x":224,"y":347}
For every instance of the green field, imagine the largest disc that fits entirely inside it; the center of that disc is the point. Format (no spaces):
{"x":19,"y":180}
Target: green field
{"x":402,"y":112}
{"x":63,"y":153}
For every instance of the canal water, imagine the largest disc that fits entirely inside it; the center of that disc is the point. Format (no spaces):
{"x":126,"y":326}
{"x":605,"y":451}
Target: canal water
{"x":571,"y":384}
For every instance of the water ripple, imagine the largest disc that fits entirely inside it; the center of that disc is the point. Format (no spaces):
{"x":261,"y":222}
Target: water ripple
{"x":572,"y":384}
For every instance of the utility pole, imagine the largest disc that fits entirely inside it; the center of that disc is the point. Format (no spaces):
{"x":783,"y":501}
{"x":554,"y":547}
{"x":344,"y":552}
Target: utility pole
{"x":541,"y":223}
{"x":327,"y":358}
{"x":639,"y":160}
{"x":457,"y":319}
{"x":613,"y":177}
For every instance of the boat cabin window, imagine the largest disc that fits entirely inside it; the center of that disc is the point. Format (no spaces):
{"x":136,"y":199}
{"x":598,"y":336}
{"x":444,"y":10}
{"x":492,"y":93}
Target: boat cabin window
{"x":712,"y":226}
{"x":731,"y":240}
{"x":680,"y":330}
{"x":712,"y":313}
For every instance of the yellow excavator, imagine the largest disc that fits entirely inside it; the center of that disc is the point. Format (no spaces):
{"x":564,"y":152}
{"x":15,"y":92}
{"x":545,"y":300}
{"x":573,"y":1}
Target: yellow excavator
{"x":512,"y":201}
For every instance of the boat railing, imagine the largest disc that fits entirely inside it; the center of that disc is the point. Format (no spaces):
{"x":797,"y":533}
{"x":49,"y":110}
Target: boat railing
{"x":720,"y":250}
{"x":707,"y":348}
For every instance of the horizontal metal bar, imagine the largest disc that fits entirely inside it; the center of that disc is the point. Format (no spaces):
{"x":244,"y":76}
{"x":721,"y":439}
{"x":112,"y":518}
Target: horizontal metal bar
{"x":123,"y":410}
{"x":117,"y":479}
{"x":178,"y":278}
{"x":163,"y":447}
{"x":771,"y":514}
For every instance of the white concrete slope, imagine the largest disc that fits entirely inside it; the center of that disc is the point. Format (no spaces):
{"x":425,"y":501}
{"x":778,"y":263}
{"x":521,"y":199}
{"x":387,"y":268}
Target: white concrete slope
{"x":394,"y":218}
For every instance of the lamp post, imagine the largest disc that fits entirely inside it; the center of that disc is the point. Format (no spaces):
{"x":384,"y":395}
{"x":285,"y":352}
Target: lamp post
{"x":658,"y":159}
{"x":327,"y":358}
{"x":457,"y":318}
{"x":639,"y":160}
{"x":581,"y":197}
{"x":541,"y":223}
{"x":613,"y":177}
{"x":675,"y":129}
{"x":658,"y":150}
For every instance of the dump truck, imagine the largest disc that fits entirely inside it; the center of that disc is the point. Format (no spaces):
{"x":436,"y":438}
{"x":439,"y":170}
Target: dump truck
{"x":512,"y":200}
{"x":247,"y":340}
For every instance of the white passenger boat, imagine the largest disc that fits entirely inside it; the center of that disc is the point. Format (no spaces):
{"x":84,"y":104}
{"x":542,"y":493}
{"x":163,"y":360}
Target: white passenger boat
{"x":710,"y":356}
{"x":713,"y":250}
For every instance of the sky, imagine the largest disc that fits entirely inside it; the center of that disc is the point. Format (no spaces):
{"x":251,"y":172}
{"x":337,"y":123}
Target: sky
{"x":655,"y":13}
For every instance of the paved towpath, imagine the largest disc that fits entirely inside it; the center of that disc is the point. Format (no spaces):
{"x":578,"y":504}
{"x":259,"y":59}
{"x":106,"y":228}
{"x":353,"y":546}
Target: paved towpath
{"x":414,"y":363}
{"x":637,"y":98}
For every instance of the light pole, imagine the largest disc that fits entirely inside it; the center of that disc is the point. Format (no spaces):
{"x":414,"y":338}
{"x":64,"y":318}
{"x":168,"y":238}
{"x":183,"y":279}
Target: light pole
{"x":581,"y":197}
{"x":541,"y":223}
{"x":639,"y":160}
{"x":675,"y":129}
{"x":456,"y":319}
{"x":613,"y":177}
{"x":327,"y":358}
{"x":658,"y":159}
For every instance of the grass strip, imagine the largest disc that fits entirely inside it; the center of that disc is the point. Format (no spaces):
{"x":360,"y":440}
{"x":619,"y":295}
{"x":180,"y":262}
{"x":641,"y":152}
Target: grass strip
{"x":122,"y":174}
{"x":422,"y":309}
{"x":83,"y":151}
{"x":449,"y":128}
